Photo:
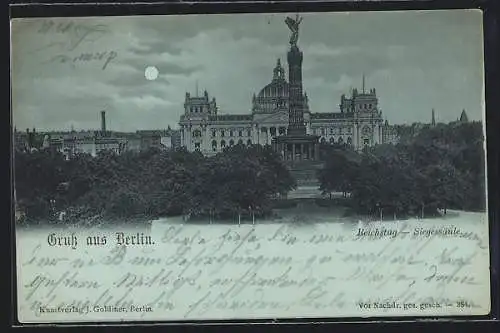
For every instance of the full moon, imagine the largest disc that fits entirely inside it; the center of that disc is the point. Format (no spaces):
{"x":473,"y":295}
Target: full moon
{"x":151,"y":73}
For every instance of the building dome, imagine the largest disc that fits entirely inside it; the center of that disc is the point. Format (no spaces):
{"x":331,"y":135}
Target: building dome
{"x":274,"y":96}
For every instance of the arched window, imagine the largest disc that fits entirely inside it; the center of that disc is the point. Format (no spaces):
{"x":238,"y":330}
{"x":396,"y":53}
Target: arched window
{"x":349,"y":141}
{"x":223,"y":144}
{"x":214,"y":145}
{"x":222,"y":133}
{"x":272,"y":130}
{"x":341,"y":140}
{"x":197,"y":133}
{"x":249,"y":133}
{"x":240,"y":133}
{"x":323,"y":140}
{"x":240,"y":142}
{"x":231,"y":133}
{"x":249,"y":142}
{"x":231,"y":143}
{"x":332,"y":130}
{"x":263,"y":129}
{"x":214,"y":133}
{"x":332,"y":140}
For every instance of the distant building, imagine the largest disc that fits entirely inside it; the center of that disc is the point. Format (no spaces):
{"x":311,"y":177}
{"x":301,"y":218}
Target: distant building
{"x":463,"y":117}
{"x":176,"y":139}
{"x":115,"y":144}
{"x":93,"y":142}
{"x":132,"y":141}
{"x":161,"y":139}
{"x":390,"y":134}
{"x":20,"y":140}
{"x":27,"y":141}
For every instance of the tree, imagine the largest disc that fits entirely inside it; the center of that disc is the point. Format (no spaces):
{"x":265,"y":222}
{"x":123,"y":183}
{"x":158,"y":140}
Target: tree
{"x":339,"y":171}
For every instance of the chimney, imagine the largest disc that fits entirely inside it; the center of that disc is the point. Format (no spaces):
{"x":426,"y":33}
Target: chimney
{"x":103,"y":121}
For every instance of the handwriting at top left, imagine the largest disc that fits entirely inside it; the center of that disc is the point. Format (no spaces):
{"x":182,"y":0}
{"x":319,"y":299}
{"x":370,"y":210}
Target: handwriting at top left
{"x":104,"y":57}
{"x":76,"y":33}
{"x":48,"y":25}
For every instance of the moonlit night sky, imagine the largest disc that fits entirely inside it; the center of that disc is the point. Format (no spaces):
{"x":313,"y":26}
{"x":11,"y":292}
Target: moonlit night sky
{"x":416,"y":60}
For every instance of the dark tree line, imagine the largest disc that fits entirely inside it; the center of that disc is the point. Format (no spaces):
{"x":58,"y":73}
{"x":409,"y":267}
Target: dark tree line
{"x":440,"y":167}
{"x":237,"y":182}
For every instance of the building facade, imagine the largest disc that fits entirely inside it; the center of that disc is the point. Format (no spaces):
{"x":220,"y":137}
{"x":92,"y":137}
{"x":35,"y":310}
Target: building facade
{"x":358,"y":122}
{"x":93,"y":142}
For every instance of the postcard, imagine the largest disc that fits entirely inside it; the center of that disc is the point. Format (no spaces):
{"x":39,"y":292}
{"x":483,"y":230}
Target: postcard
{"x":250,"y":166}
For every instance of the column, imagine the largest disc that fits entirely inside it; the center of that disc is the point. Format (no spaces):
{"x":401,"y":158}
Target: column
{"x":206,"y":144}
{"x":255,"y":134}
{"x":374,"y":136}
{"x":355,"y":136}
{"x":293,"y":151}
{"x":188,"y":138}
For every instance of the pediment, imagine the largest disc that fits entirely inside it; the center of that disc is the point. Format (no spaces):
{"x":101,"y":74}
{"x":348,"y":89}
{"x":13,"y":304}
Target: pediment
{"x":277,"y":117}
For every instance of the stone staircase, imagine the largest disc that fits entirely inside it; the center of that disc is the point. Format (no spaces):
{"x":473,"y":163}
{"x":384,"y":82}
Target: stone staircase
{"x":305,"y":172}
{"x":305,"y":192}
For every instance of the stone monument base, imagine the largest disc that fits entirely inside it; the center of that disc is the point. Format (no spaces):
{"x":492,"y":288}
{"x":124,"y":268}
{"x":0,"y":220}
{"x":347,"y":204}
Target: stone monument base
{"x":294,"y":148}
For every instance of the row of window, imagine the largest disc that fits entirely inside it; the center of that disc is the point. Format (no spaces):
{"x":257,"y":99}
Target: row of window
{"x":223,"y":144}
{"x":339,"y":141}
{"x":361,"y":107}
{"x":273,"y":131}
{"x":231,"y":143}
{"x":230,"y":133}
{"x":333,"y":131}
{"x":240,"y":133}
{"x":196,"y":109}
